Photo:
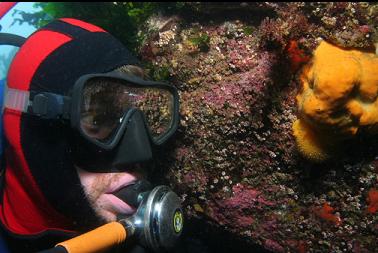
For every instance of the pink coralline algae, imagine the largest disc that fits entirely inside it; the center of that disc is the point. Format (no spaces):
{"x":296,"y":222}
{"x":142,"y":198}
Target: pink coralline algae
{"x":242,"y":95}
{"x":244,"y":197}
{"x":241,"y":55}
{"x":299,"y":246}
{"x":365,"y":29}
{"x":182,"y":152}
{"x":238,"y":210}
{"x":273,"y":246}
{"x":195,"y":180}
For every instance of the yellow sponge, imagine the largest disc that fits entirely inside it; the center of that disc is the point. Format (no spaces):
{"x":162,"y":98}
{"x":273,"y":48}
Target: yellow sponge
{"x":338,"y":99}
{"x":309,"y":143}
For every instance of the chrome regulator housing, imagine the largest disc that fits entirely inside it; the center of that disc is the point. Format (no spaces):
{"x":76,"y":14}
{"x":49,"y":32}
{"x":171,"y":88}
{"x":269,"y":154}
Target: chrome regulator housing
{"x":158,"y":221}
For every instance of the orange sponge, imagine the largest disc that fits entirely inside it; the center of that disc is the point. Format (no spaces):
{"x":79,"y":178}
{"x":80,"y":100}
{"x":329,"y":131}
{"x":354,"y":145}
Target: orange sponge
{"x":309,"y":142}
{"x":338,"y":99}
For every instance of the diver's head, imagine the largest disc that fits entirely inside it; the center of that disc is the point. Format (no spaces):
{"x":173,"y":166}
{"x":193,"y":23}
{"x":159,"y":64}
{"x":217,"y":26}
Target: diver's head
{"x":80,"y":121}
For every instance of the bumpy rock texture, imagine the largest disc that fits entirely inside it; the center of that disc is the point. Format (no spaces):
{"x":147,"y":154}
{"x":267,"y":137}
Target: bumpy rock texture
{"x":234,"y":159}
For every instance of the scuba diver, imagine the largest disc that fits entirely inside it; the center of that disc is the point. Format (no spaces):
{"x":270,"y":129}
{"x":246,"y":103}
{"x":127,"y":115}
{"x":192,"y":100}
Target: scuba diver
{"x":80,"y":122}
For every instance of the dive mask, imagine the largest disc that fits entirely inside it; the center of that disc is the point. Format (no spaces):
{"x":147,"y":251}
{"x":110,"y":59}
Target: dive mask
{"x":103,"y":107}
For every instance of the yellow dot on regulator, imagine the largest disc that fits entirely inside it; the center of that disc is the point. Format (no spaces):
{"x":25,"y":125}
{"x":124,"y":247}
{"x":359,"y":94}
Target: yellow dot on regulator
{"x":178,"y":221}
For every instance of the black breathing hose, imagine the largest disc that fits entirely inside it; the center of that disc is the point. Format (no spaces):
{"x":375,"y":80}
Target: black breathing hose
{"x":58,"y":249}
{"x":11,"y":39}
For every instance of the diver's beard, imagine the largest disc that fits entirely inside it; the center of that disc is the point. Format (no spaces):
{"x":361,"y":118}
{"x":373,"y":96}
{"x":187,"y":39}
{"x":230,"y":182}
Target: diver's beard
{"x":99,"y":189}
{"x":92,"y":220}
{"x":93,"y":194}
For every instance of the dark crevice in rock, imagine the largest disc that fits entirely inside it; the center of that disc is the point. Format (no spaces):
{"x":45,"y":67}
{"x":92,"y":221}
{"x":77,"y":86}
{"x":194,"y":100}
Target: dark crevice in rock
{"x":200,"y":237}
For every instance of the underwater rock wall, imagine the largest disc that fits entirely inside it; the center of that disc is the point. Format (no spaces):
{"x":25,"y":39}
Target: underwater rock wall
{"x":234,"y":159}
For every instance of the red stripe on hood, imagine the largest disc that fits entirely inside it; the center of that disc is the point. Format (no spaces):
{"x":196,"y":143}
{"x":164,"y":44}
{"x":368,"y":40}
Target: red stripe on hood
{"x":82,"y":24}
{"x":5,"y":7}
{"x":25,"y":210}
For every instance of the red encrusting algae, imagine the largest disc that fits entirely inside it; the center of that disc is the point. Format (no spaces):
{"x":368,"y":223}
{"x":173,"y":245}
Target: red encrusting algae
{"x":302,"y":247}
{"x":296,"y":55}
{"x":372,"y":199}
{"x":326,"y":213}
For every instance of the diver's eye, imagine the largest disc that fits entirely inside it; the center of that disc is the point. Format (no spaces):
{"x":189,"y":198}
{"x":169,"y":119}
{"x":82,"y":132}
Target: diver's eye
{"x":88,"y":119}
{"x":95,"y":119}
{"x":98,"y":126}
{"x":89,"y":123}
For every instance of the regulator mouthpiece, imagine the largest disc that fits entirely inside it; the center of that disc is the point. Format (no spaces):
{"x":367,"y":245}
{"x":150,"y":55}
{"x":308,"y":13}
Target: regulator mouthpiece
{"x":158,"y":221}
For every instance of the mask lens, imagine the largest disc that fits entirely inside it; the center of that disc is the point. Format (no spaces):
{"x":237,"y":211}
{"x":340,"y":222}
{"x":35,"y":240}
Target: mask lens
{"x":157,"y":105}
{"x":106,"y":101}
{"x":102,"y":109}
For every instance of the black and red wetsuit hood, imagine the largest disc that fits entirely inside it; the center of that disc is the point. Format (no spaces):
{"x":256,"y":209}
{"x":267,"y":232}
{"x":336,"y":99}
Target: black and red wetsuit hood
{"x":42,"y":192}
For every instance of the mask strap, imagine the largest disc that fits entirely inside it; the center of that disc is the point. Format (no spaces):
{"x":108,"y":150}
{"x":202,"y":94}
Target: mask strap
{"x":44,"y":104}
{"x":17,"y":100}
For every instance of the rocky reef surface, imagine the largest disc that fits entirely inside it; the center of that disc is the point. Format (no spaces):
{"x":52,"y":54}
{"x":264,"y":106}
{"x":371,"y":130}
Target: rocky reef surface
{"x":234,"y":159}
